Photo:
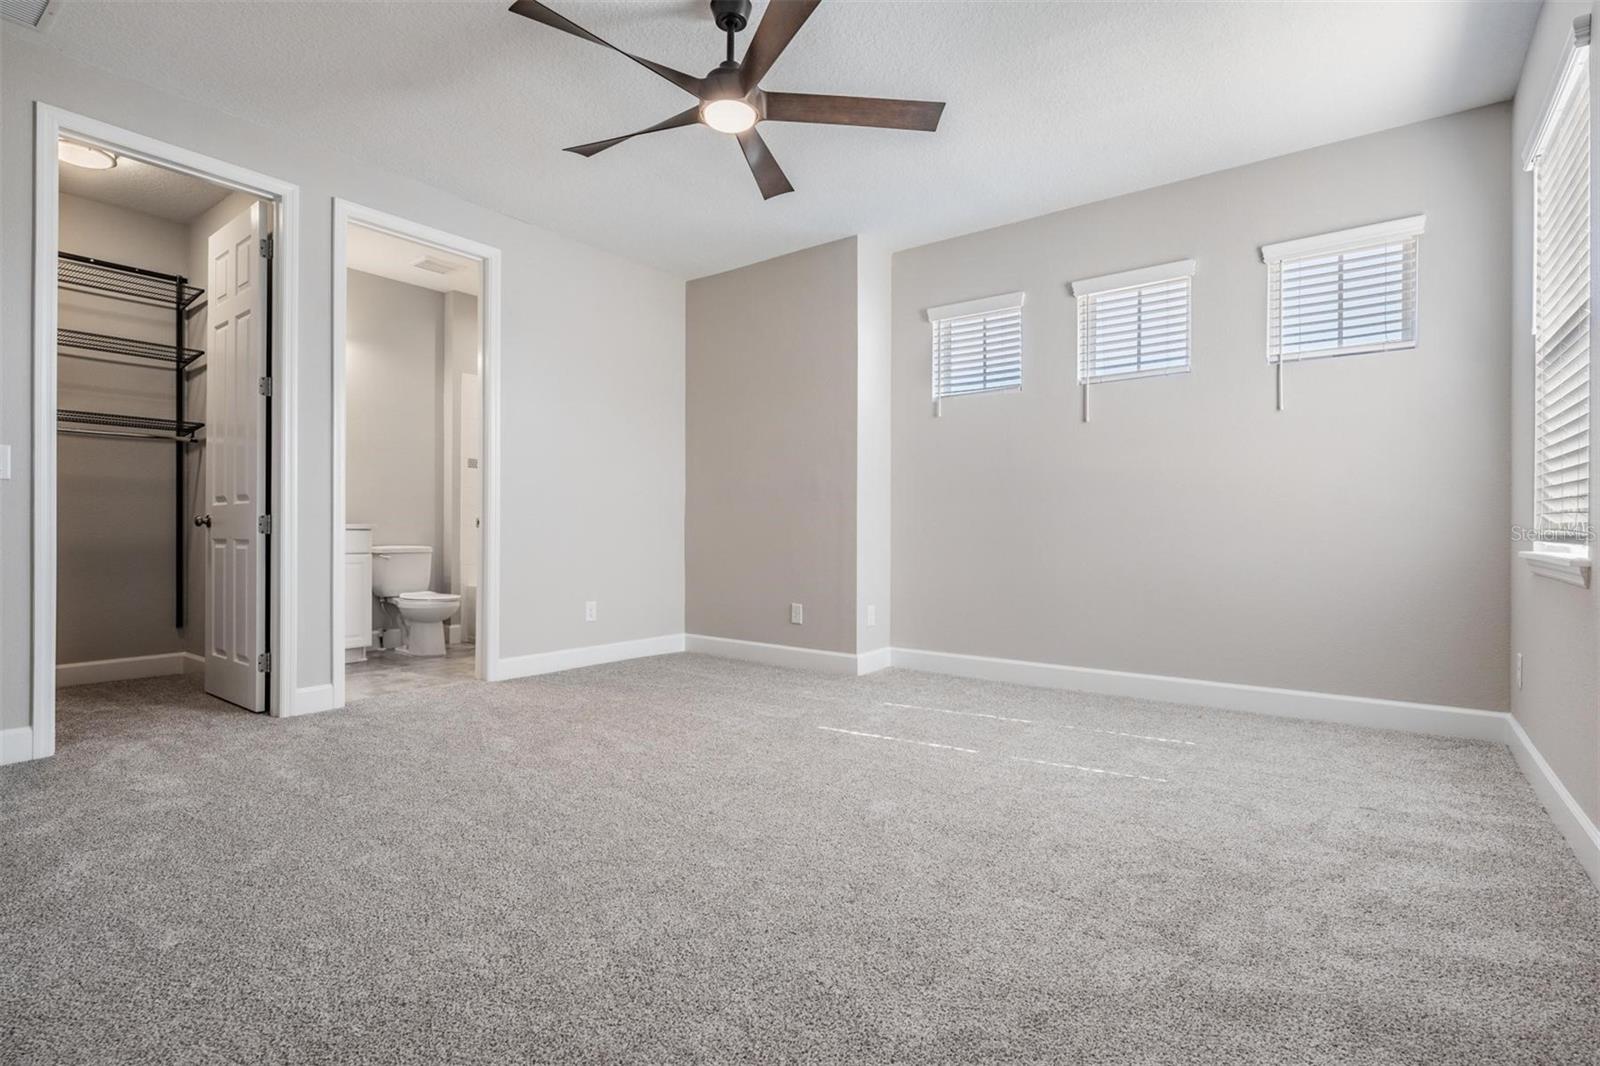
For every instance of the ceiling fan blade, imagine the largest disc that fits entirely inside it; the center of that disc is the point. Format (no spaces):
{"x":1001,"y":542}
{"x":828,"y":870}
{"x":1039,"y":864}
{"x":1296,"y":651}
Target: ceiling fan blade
{"x":781,"y":22}
{"x":769,"y":175}
{"x":536,"y":11}
{"x":687,"y":117}
{"x":854,"y":111}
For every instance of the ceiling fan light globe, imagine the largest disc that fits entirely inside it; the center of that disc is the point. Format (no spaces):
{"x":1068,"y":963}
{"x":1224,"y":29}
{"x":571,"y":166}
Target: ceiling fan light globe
{"x":85,"y":155}
{"x":728,"y":116}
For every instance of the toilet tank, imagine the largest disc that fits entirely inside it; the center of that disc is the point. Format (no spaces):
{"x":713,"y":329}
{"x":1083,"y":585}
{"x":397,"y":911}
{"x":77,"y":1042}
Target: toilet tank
{"x":398,"y":568}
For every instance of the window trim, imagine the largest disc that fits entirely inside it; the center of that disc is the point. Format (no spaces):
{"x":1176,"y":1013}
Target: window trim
{"x":1087,"y":289}
{"x":1345,"y":239}
{"x":1575,"y":50}
{"x":1133,"y":279}
{"x":1006,"y":301}
{"x":987,"y":305}
{"x":1355,"y":238}
{"x":1567,"y":561}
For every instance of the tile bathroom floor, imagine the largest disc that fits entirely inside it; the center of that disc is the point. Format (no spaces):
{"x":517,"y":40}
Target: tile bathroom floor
{"x":384,"y":673}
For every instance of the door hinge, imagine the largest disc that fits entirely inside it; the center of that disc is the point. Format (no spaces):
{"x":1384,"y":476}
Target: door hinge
{"x":264,"y":524}
{"x":264,"y":386}
{"x":266,"y":247}
{"x":264,"y":662}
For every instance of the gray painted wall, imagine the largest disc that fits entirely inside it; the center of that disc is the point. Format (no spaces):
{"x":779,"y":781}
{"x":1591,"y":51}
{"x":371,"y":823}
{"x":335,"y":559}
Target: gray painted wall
{"x":114,"y":498}
{"x":771,"y":514}
{"x":874,"y":402}
{"x":394,"y":427}
{"x":592,"y":382}
{"x":1354,"y":543}
{"x":1554,"y":626}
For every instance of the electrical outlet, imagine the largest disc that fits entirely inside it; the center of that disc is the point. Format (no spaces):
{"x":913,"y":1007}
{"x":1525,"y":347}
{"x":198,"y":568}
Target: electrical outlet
{"x":797,"y":614}
{"x":591,"y":610}
{"x":872,"y":614}
{"x":1519,"y":671}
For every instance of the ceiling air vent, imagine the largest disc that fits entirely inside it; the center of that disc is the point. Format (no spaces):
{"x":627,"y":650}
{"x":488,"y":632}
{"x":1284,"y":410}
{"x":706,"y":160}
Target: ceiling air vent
{"x":33,"y":14}
{"x":427,"y":262}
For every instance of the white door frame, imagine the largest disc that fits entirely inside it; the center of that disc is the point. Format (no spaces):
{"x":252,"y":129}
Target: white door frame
{"x":51,"y":123}
{"x":346,"y":214}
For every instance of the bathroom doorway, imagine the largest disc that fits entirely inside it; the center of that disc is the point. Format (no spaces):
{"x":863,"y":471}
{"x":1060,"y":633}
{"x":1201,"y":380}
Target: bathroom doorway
{"x":413,"y":361}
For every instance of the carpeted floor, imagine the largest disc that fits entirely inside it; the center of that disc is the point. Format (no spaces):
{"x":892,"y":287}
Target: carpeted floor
{"x":683,"y":859}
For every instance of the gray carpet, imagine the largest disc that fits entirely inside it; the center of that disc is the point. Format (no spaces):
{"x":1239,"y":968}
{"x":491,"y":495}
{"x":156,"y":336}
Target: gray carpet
{"x":673,"y":860}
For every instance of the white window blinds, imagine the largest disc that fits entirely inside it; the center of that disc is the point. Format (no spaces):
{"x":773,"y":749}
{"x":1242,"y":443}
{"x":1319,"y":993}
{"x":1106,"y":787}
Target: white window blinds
{"x":1134,"y":324}
{"x":1343,"y":293}
{"x":977,"y":346}
{"x":1561,"y":315}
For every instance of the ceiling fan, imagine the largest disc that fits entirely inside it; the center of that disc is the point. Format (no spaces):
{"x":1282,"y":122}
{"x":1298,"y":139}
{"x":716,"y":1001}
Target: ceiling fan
{"x":730,"y":97}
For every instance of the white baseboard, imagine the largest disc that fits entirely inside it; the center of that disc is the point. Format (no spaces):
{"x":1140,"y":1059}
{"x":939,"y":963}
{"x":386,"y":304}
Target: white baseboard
{"x":1434,"y":719}
{"x":129,"y":669}
{"x":313,"y":699}
{"x":828,"y":662}
{"x":1564,"y":810}
{"x":549,"y":662}
{"x":870,"y":662}
{"x":16,"y":745}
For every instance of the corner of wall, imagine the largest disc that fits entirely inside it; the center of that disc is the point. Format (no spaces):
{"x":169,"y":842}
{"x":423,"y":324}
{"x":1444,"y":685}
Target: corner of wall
{"x":873,"y":405}
{"x":1555,"y":627}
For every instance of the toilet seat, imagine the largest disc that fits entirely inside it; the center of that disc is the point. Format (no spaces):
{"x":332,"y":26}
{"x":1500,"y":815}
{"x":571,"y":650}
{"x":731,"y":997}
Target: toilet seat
{"x":428,"y":597}
{"x":422,"y":617}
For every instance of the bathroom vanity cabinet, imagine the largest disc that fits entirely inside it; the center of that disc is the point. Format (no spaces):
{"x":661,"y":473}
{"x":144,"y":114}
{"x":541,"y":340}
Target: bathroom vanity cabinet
{"x":357,"y":592}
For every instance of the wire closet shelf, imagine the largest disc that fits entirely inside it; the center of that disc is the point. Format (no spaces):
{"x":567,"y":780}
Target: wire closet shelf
{"x":118,"y":281}
{"x":74,"y":341}
{"x":149,"y":288}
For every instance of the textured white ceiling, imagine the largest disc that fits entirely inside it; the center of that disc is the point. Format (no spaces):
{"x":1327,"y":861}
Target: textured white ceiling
{"x":150,"y":190}
{"x":1050,"y":104}
{"x":395,"y":258}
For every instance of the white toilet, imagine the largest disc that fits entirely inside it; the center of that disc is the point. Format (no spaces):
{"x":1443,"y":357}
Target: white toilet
{"x":400,"y":574}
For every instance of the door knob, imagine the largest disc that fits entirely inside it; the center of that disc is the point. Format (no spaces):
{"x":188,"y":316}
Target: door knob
{"x":203,"y":520}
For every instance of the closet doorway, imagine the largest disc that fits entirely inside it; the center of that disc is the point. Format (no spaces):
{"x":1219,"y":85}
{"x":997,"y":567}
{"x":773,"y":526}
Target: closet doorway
{"x":159,"y":443}
{"x":415,"y":341}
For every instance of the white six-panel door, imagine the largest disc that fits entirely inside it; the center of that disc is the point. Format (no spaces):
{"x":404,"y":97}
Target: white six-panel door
{"x":235,"y":474}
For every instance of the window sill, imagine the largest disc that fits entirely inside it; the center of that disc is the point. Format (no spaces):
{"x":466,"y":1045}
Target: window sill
{"x":1568,"y":566}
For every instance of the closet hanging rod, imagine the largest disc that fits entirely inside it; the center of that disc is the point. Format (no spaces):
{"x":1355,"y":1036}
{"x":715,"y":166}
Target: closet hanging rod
{"x":106,"y":434}
{"x":173,"y":428}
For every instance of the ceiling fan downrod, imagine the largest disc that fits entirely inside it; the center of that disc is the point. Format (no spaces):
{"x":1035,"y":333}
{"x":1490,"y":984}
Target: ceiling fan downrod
{"x":731,"y":16}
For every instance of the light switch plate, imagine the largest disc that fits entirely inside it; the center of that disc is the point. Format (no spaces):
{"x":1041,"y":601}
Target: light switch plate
{"x":872,"y":614}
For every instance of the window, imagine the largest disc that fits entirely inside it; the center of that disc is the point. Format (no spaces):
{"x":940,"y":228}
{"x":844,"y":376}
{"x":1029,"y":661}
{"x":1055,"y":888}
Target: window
{"x":1134,"y":324}
{"x":1560,"y":164}
{"x":977,"y":346}
{"x":1344,"y":293}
